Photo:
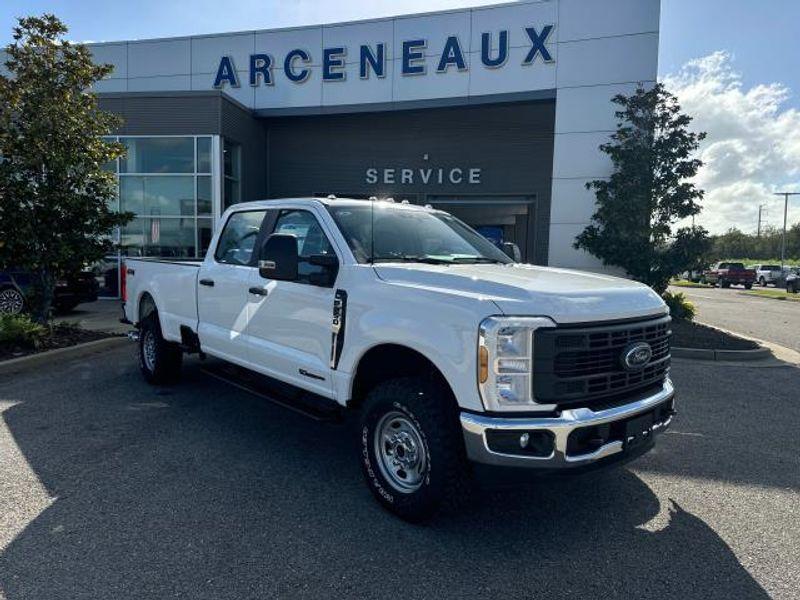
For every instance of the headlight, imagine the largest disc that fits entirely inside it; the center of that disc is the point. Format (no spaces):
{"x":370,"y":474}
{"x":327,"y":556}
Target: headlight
{"x":505,"y":361}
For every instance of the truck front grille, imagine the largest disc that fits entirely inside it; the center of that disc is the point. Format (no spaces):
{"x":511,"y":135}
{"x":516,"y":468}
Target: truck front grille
{"x":582,"y":364}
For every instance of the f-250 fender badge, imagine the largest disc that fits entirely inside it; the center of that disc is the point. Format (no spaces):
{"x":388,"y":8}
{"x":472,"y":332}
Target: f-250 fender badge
{"x":337,"y":326}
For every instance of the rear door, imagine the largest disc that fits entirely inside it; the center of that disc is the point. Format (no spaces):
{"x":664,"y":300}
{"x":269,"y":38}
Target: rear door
{"x":290,"y":324}
{"x":222,"y":290}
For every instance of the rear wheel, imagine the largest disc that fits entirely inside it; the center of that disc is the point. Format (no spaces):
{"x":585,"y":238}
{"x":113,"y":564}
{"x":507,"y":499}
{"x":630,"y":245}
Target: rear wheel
{"x":159,"y":360}
{"x":762,"y":282}
{"x":748,"y":286}
{"x":412,"y":449}
{"x":12,"y":302}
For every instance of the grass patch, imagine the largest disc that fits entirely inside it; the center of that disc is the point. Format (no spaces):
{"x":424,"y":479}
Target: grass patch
{"x":773,"y":294}
{"x":688,"y":284}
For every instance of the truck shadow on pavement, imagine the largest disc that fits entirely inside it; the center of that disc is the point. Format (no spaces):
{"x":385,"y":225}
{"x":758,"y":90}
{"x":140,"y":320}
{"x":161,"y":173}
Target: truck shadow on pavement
{"x":200,"y":491}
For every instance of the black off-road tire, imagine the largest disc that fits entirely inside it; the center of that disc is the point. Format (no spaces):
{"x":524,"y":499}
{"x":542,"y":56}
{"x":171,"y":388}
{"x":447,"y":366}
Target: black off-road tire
{"x":748,"y":286}
{"x":446,"y":483}
{"x":164,"y":365}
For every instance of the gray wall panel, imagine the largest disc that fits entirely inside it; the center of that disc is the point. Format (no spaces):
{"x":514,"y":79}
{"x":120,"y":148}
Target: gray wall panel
{"x":512,"y":144}
{"x":165,"y":113}
{"x":239,"y":125}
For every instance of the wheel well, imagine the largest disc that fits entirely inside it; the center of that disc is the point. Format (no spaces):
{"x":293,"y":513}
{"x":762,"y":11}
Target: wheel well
{"x":147,"y":306}
{"x":390,"y":361}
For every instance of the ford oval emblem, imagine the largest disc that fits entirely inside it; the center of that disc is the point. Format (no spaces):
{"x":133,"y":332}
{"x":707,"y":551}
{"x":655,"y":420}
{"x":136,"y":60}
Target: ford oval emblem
{"x":636,"y":356}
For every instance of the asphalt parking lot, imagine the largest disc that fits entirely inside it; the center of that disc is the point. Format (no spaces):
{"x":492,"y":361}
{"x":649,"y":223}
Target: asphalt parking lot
{"x":110,"y":488}
{"x":761,"y":318}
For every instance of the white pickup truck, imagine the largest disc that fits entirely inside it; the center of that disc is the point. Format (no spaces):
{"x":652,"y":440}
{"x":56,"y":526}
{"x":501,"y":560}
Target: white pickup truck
{"x":449,"y":354}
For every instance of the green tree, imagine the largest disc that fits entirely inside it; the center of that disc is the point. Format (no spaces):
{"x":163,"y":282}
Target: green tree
{"x":54,"y":193}
{"x":649,"y":192}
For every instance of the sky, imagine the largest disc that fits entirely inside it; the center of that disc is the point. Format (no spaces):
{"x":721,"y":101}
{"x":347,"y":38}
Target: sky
{"x":734,"y":64}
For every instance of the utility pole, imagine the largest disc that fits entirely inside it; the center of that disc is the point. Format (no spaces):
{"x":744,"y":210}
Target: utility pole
{"x":785,"y":218}
{"x":760,"y":211}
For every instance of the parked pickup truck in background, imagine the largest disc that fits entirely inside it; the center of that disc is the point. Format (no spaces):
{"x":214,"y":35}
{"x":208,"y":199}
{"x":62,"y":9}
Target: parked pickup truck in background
{"x":448,"y":354}
{"x":768,"y":274}
{"x":726,"y":274}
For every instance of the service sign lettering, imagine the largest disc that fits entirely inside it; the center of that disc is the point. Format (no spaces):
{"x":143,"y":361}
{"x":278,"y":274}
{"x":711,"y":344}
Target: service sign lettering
{"x":296,"y":64}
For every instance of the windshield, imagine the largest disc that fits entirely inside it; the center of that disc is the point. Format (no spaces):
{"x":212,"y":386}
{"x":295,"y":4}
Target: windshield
{"x":407,"y":235}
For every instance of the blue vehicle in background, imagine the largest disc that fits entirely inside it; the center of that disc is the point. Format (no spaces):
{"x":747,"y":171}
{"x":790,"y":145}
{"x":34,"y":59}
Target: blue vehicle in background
{"x":16,"y":287}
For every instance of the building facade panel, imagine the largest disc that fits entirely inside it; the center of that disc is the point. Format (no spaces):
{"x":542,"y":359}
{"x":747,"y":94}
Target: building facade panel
{"x":164,"y":58}
{"x":582,"y":20}
{"x":495,"y":113}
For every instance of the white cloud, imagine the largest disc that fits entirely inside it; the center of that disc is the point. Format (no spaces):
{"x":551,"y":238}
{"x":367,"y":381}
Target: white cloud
{"x":753,"y":144}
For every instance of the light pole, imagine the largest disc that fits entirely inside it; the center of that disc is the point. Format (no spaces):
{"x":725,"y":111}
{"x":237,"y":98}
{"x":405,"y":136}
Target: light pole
{"x":785,"y":217}
{"x":760,"y":211}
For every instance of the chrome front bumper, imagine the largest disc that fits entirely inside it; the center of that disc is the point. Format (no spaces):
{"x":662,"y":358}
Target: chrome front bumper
{"x":475,"y":427}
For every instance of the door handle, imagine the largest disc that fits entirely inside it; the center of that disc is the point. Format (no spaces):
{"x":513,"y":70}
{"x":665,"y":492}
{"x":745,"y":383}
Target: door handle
{"x":259,"y":291}
{"x":207,"y":282}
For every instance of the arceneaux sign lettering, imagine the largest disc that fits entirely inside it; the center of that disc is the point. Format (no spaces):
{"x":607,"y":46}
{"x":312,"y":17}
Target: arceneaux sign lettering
{"x":372,"y":59}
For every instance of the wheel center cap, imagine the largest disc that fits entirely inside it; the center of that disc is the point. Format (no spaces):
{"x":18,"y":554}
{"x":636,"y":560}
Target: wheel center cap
{"x":404,"y":449}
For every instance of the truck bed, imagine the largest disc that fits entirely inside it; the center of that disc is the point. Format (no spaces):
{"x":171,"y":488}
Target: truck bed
{"x":173,"y":281}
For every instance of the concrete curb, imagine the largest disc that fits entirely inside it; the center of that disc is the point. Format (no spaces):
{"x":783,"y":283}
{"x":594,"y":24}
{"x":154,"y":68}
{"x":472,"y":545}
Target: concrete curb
{"x":768,"y":350}
{"x":23,"y":363}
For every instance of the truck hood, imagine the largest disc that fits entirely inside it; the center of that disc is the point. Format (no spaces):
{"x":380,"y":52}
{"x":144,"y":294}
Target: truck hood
{"x":564,"y":295}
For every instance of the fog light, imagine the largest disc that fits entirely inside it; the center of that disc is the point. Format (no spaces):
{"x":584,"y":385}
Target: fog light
{"x":526,"y":443}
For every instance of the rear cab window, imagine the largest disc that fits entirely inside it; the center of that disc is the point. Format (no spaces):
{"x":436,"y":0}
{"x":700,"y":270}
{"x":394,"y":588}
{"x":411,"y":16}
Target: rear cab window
{"x":237,"y":241}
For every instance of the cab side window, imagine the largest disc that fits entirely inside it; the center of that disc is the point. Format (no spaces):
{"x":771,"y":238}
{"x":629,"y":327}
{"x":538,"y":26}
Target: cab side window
{"x":238,"y":240}
{"x":311,"y":240}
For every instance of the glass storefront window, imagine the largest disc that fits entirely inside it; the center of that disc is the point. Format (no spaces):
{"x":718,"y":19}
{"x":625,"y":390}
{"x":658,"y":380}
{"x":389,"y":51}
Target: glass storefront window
{"x":157,"y":195}
{"x":205,"y":231}
{"x":204,"y":195}
{"x":168,"y":183}
{"x":204,"y":155}
{"x":168,"y":237}
{"x":231,"y":170}
{"x":158,"y":155}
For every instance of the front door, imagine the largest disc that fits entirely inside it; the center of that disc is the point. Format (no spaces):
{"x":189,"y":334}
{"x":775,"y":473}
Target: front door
{"x":290,"y":326}
{"x":222,"y":290}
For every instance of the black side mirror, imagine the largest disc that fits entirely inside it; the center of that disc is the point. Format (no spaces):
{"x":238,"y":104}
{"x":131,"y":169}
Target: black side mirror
{"x":328,"y":261}
{"x":278,"y":259}
{"x":512,"y":251}
{"x":329,"y":269}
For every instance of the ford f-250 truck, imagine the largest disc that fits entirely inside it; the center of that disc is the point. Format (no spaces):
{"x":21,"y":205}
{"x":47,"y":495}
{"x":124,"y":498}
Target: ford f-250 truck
{"x":449,"y":354}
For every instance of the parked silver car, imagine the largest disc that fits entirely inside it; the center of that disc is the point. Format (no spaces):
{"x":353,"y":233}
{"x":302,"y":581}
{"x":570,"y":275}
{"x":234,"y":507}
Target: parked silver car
{"x":766,"y":274}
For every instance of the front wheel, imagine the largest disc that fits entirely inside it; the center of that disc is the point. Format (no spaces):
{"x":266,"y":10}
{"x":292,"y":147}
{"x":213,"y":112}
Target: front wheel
{"x":412,"y":449}
{"x":762,"y":282}
{"x":159,"y":360}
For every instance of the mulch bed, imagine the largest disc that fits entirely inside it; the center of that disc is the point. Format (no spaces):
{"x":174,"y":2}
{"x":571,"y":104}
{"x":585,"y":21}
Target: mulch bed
{"x":63,"y":336}
{"x":686,"y":334}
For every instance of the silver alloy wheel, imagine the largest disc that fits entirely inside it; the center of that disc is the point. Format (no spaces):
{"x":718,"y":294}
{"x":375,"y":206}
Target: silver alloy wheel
{"x":401,"y":452}
{"x":149,"y":351}
{"x":11,"y":302}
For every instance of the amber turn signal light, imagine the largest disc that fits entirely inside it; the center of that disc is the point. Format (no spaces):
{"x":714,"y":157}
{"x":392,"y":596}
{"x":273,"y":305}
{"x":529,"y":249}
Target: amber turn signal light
{"x":483,"y":364}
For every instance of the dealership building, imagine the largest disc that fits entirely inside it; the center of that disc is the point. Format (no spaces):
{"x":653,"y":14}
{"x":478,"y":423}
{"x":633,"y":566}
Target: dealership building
{"x":494,"y":114}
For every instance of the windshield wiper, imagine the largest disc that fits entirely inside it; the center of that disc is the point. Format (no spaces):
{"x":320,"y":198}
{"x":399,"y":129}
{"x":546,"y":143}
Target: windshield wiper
{"x":469,"y":260}
{"x":430,"y":260}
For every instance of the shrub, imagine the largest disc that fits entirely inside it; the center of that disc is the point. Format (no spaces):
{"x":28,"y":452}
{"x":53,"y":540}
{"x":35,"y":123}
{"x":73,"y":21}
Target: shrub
{"x":20,"y":330}
{"x":679,"y":307}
